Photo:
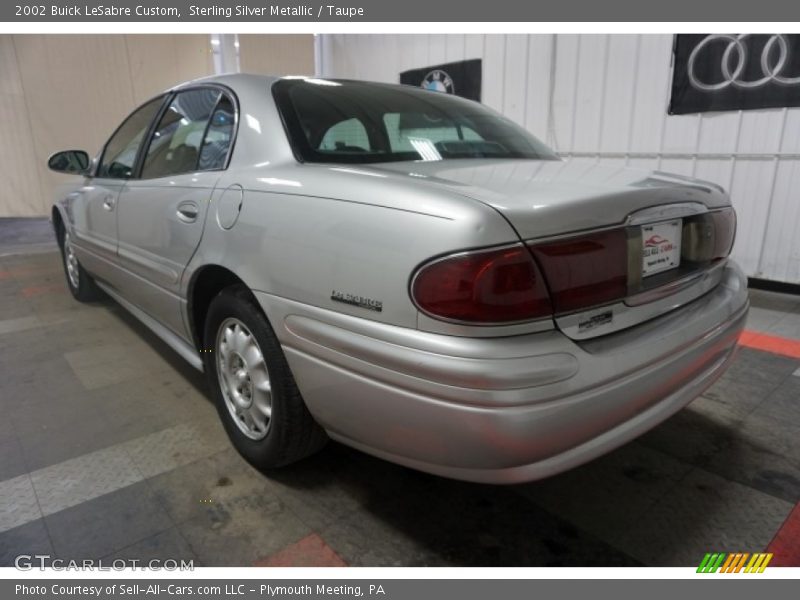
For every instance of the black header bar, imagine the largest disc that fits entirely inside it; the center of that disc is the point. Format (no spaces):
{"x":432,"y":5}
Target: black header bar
{"x":441,"y":11}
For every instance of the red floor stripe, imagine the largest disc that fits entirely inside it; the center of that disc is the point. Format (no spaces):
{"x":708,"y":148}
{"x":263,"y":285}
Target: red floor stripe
{"x":311,"y":551}
{"x":770,"y":343}
{"x":29,"y":271}
{"x":786,"y":543}
{"x":38,"y":290}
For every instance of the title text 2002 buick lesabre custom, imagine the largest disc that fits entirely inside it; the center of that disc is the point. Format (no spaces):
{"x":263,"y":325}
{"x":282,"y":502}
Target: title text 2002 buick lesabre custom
{"x":404,"y":271}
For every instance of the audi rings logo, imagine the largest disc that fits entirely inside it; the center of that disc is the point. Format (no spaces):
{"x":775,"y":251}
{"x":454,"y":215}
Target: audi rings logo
{"x":775,"y":56}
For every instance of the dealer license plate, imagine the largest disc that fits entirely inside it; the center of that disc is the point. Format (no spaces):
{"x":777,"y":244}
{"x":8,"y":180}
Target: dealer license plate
{"x":661,"y":247}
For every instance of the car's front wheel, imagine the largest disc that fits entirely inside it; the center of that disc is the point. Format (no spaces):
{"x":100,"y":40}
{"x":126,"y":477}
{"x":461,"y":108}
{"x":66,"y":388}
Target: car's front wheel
{"x":254,"y":390}
{"x":80,"y":283}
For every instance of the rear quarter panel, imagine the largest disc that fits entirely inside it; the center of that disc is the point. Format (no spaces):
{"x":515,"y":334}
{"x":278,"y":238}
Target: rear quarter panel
{"x":297,"y":243}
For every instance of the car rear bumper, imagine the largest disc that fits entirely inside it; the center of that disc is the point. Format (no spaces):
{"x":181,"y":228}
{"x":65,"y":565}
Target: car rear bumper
{"x":504,"y":410}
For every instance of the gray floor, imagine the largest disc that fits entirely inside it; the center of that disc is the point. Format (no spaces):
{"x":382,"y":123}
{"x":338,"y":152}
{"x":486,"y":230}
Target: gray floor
{"x":109,"y":447}
{"x":26,"y":235}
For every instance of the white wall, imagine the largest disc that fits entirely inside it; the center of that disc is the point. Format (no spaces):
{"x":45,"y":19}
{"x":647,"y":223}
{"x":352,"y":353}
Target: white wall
{"x":606,"y":96}
{"x":70,"y":91}
{"x":277,"y":54}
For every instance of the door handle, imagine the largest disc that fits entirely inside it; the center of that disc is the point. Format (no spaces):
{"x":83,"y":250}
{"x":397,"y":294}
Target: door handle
{"x":108,"y":203}
{"x":187,"y":212}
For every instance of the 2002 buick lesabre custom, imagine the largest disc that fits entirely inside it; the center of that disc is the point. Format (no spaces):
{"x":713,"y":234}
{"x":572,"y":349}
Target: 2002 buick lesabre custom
{"x":404,"y":271}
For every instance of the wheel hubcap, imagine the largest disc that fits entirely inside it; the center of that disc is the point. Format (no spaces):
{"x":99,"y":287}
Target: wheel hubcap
{"x":72,"y":263}
{"x":243,"y":378}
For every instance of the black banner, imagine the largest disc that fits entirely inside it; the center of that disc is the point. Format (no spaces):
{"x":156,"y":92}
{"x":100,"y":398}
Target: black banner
{"x":462,"y":78}
{"x":732,"y":72}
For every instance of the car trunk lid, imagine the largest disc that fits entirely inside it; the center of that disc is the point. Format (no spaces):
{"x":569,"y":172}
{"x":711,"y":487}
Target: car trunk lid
{"x":547,"y":198}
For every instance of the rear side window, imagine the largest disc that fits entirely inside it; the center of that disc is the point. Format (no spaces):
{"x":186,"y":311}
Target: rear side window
{"x":219,"y":136}
{"x":119,"y":155}
{"x":177,"y":139}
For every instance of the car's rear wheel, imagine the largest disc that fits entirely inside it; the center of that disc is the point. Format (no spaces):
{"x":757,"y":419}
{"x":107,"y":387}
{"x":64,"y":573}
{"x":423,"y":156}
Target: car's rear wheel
{"x":79,"y":282}
{"x":254,"y":390}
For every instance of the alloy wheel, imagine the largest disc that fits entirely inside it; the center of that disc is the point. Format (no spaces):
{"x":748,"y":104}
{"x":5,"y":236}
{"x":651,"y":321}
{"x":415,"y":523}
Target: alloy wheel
{"x":244,"y":379}
{"x":71,"y":261}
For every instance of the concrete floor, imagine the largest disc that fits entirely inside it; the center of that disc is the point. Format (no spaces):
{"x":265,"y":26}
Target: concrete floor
{"x":110,"y":447}
{"x":26,"y":235}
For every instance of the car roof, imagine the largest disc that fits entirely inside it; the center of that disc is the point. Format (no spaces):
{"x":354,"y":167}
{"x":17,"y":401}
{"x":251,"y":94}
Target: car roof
{"x":237,"y":81}
{"x":232,"y":80}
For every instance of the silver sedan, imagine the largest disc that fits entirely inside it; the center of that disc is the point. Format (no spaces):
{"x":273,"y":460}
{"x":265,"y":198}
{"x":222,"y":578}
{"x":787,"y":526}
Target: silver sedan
{"x":404,"y":271}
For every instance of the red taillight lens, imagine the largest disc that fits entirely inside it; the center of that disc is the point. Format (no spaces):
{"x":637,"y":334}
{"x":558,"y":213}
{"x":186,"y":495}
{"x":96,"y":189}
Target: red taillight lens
{"x":585,"y":271}
{"x":494,"y":286}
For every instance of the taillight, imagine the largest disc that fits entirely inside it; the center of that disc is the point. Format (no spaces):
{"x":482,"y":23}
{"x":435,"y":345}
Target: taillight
{"x":586,"y":270}
{"x":520,"y":283}
{"x":490,"y":286}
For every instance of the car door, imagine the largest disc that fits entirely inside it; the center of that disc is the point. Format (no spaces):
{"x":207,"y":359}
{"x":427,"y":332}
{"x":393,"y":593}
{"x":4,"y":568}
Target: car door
{"x":161,"y":213}
{"x":94,"y":205}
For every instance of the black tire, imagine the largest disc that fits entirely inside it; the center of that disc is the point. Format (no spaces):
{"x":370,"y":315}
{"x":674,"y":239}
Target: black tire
{"x":86,"y":289}
{"x":291,"y":433}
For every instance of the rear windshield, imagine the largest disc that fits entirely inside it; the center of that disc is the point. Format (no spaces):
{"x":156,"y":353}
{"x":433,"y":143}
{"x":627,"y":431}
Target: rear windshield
{"x":358,"y":122}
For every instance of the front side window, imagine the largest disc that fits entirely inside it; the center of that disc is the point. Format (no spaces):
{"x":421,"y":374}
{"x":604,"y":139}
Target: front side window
{"x":119,"y":156}
{"x":359,"y":122}
{"x":176,"y":143}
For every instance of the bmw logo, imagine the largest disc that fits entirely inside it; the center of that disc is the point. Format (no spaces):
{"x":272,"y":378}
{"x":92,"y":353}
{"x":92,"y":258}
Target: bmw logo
{"x":438,"y":81}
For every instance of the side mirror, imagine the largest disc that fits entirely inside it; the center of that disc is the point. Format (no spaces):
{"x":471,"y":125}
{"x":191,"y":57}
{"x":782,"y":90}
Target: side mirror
{"x":69,"y":161}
